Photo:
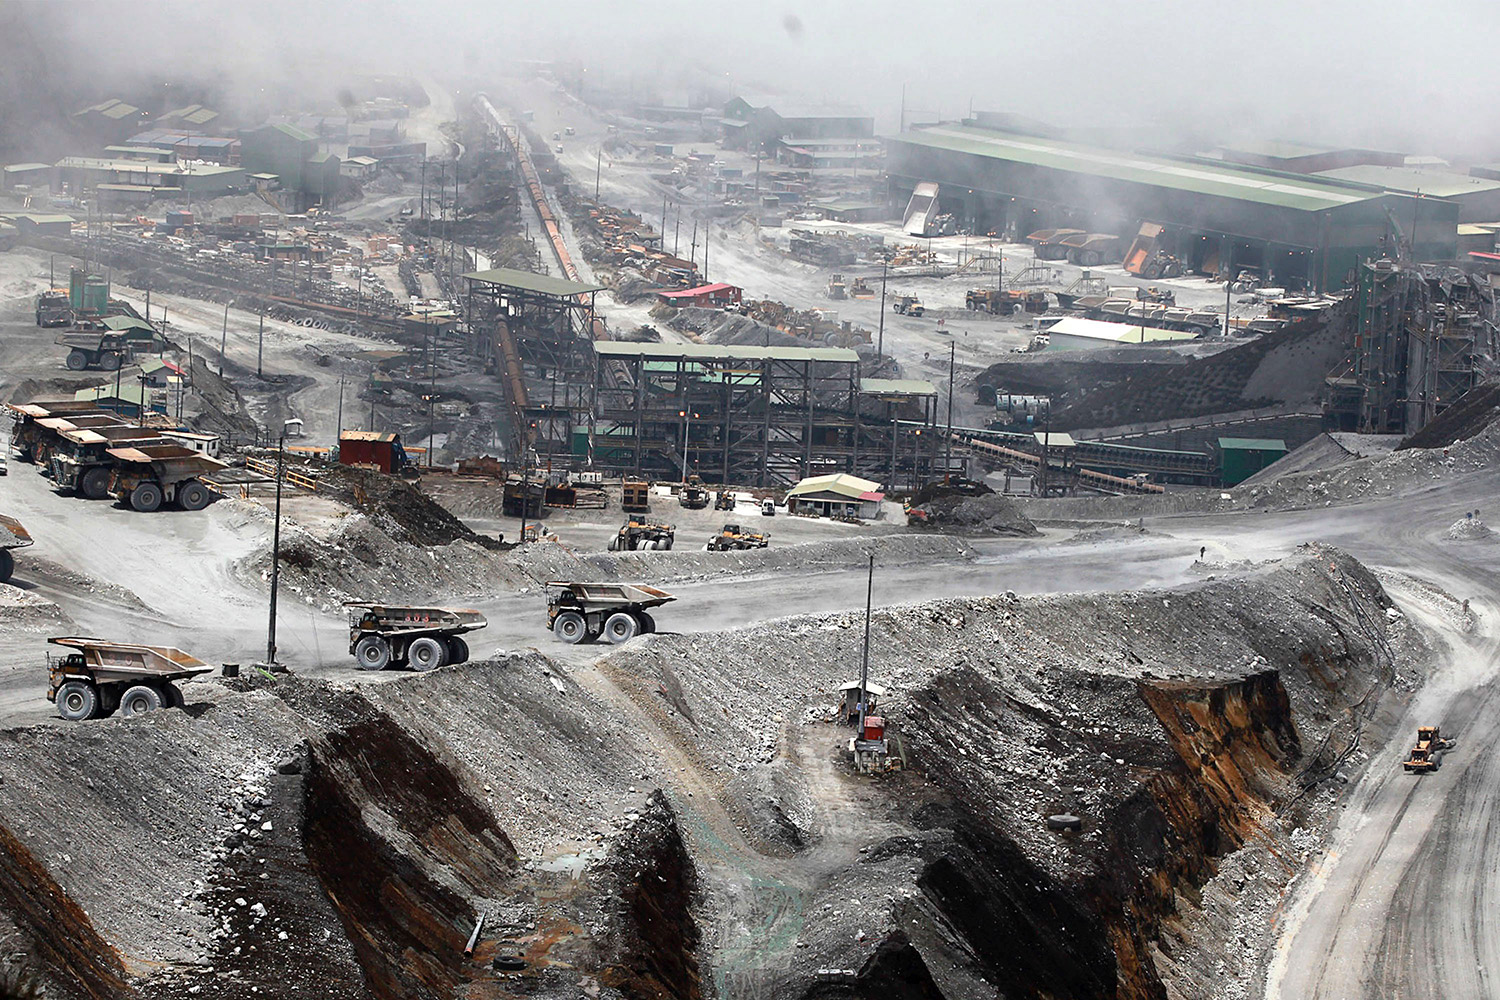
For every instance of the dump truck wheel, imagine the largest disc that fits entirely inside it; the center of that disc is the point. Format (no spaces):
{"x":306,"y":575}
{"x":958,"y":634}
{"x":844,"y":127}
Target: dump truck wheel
{"x":172,"y":696}
{"x":620,"y":627}
{"x":426,"y":653}
{"x":372,"y":652}
{"x":570,"y":627}
{"x":146,"y":498}
{"x":95,"y":483}
{"x":667,"y":543}
{"x":7,"y":565}
{"x":193,"y":496}
{"x":109,"y":362}
{"x":458,"y":650}
{"x":614,"y":543}
{"x":648,"y":624}
{"x":138,"y":700}
{"x":77,"y":361}
{"x":77,"y":700}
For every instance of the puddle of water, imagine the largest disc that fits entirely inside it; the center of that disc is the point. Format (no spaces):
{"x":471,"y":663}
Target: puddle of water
{"x":571,"y":864}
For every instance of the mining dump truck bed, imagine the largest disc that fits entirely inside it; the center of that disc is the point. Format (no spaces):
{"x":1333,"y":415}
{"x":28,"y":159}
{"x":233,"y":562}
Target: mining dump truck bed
{"x":392,"y":619}
{"x":602,"y":594}
{"x":107,"y":662}
{"x":12,"y":535}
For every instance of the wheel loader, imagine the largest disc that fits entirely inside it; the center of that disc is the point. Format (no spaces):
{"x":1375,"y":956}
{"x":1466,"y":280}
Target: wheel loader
{"x":692,"y":495}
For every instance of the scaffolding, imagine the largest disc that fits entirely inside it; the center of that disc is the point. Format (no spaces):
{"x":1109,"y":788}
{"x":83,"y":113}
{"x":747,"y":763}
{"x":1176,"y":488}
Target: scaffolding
{"x":1424,"y":335}
{"x":538,"y":331}
{"x":762,"y":416}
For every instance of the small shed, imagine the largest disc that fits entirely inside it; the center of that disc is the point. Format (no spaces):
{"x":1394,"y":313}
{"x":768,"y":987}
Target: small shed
{"x":1241,"y":458}
{"x":128,"y":400}
{"x":372,"y":450}
{"x":838,"y":494}
{"x":160,"y":374}
{"x":850,"y":696}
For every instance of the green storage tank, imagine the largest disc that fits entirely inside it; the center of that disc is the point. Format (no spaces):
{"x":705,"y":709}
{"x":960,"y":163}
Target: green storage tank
{"x":95,"y":295}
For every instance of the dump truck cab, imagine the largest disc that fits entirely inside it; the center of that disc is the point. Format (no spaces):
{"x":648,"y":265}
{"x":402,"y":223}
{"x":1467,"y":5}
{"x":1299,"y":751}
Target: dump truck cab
{"x":98,"y":676}
{"x":383,"y":635}
{"x":617,"y":612}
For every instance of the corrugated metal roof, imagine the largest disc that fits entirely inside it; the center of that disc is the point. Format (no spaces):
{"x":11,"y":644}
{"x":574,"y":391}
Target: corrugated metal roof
{"x":128,"y":393}
{"x":366,"y":436}
{"x":688,"y":293}
{"x":1305,"y":193}
{"x":896,"y":387}
{"x":18,"y":167}
{"x":840,"y":483}
{"x":619,"y":348}
{"x":1118,"y":333}
{"x":1408,"y":180}
{"x":291,"y":131}
{"x":1055,"y":439}
{"x":545,"y":284}
{"x":1251,"y":444}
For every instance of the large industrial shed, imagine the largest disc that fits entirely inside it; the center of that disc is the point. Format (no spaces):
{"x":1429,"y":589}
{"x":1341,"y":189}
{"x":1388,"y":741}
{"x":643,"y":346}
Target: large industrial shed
{"x":1295,"y":229}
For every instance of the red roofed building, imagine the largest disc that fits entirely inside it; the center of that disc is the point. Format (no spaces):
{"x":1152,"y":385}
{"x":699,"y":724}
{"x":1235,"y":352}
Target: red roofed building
{"x":709,"y":296}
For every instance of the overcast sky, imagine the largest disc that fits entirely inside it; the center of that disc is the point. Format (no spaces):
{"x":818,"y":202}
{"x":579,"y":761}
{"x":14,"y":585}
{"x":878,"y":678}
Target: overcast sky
{"x":1410,"y":76}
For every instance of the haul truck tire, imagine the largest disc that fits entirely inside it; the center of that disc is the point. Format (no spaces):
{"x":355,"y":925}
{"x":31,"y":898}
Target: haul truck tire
{"x":458,"y":650}
{"x":77,"y":360}
{"x":95,"y":483}
{"x":648,"y":624}
{"x":77,"y":700}
{"x":146,"y":498}
{"x":569,"y":627}
{"x":620,"y":627}
{"x":193,"y":496}
{"x":138,"y":700}
{"x":7,"y":565}
{"x":372,"y":652}
{"x":109,"y":362}
{"x":426,"y":654}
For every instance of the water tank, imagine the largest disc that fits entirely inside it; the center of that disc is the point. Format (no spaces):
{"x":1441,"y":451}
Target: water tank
{"x":95,"y":295}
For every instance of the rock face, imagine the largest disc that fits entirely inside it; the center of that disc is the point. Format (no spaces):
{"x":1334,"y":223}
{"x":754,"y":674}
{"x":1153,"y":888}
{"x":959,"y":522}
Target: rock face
{"x":1190,"y":732}
{"x":988,"y":514}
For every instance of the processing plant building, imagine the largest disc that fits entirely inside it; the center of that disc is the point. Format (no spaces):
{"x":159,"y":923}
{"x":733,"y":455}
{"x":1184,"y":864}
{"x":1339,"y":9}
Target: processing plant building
{"x":1296,"y":230}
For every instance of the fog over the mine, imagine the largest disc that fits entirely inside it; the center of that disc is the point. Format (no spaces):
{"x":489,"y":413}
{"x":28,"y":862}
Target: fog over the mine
{"x":1184,"y":74}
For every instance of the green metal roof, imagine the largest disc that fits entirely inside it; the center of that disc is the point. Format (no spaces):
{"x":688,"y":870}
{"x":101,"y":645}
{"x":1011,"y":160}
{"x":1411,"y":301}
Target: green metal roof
{"x":293,"y":131}
{"x":130,"y":392}
{"x":1251,"y":444}
{"x":1281,"y":149}
{"x":531,"y":282}
{"x":896,"y":387}
{"x":1407,"y":180}
{"x":118,"y":323}
{"x":18,"y":167}
{"x":621,"y":349}
{"x":1305,"y":193}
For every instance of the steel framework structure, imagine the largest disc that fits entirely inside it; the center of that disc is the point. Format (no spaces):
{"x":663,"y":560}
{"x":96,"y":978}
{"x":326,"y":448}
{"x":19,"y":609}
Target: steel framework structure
{"x":750,"y":415}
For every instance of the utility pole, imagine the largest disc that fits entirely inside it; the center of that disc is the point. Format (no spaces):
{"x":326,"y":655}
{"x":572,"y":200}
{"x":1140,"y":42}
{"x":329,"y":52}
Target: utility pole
{"x":338,"y":431}
{"x":276,"y":551}
{"x":694,"y":245}
{"x":260,"y":345}
{"x":1226,"y":308}
{"x":664,"y":222}
{"x":223,"y":337}
{"x":424,"y":185}
{"x":948,"y":458}
{"x":864,"y":659}
{"x":884,"y":269}
{"x":598,"y":166}
{"x":677,"y":231}
{"x":705,"y":252}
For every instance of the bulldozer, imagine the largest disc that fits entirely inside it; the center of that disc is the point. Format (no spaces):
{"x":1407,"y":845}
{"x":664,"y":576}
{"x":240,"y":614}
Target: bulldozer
{"x":836,"y":287}
{"x":860,"y":289}
{"x":636,"y":535}
{"x":725,"y":500}
{"x":1427,"y":755}
{"x":732,"y":536}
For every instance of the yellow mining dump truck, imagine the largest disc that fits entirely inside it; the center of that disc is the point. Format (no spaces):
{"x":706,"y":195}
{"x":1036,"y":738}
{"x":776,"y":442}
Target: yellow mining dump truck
{"x":99,"y":676}
{"x":383,"y":634}
{"x":12,"y":536}
{"x":732,"y":536}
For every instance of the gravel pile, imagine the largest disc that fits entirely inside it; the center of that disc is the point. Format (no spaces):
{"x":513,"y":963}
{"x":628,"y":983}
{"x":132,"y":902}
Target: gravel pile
{"x":990,"y":514}
{"x":1469,"y":529}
